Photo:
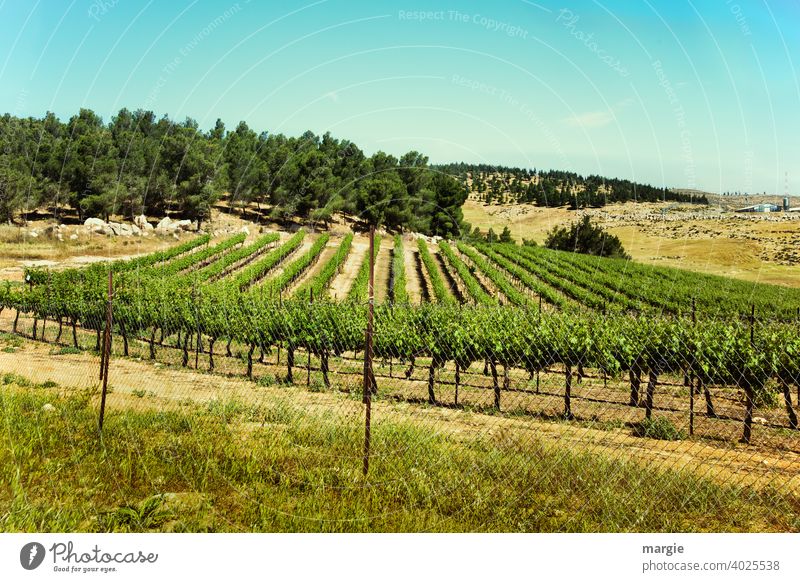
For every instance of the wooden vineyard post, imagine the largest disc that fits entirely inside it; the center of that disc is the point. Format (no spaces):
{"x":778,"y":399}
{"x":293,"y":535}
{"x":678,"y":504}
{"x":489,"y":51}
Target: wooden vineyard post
{"x":280,"y":305}
{"x":495,"y":383}
{"x":196,"y":298}
{"x":432,"y":381}
{"x":787,"y":399}
{"x":368,"y":377}
{"x":652,"y":380}
{"x":106,"y":351}
{"x":568,"y":392}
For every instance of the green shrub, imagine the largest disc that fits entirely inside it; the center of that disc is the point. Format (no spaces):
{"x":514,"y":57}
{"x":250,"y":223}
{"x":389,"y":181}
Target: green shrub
{"x":12,"y":378}
{"x":266,"y":380}
{"x":660,"y":428}
{"x":586,"y":238}
{"x":316,"y":385}
{"x":767,"y":398}
{"x":66,"y":350}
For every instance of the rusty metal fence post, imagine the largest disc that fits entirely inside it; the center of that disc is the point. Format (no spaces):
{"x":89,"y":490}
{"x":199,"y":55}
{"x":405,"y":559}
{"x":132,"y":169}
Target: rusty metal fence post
{"x":106,"y":355}
{"x":368,"y":374}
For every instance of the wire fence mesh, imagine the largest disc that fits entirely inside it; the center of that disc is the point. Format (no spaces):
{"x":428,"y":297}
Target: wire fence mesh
{"x":240,"y":380}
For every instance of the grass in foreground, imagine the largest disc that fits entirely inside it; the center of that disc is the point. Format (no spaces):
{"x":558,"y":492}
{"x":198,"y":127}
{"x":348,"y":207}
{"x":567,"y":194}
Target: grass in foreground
{"x":227,"y":466}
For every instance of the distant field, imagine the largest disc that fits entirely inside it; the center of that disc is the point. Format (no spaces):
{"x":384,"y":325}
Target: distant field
{"x":762,"y":248}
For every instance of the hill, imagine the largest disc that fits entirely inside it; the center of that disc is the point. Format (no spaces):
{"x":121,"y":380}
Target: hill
{"x":553,"y":188}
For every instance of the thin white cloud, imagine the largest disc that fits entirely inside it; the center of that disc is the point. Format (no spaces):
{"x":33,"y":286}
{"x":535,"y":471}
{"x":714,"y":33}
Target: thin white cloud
{"x":590,"y":119}
{"x":601,"y":118}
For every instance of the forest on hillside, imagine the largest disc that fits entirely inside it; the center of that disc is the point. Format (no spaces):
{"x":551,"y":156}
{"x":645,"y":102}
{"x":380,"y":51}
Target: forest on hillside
{"x":138,"y":164}
{"x":551,"y":188}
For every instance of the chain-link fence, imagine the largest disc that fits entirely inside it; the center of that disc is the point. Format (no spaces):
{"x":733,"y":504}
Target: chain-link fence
{"x":234,"y":393}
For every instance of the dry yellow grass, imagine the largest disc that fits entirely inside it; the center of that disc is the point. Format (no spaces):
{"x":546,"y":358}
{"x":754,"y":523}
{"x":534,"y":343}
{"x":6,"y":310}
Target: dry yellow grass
{"x":753,"y":248}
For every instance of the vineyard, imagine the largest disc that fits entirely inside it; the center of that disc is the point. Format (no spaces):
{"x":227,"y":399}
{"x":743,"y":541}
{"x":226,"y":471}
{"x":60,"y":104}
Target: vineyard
{"x":495,"y":320}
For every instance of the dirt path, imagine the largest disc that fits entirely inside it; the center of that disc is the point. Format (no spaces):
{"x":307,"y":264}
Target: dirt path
{"x":342,"y":282}
{"x":307,"y":243}
{"x":488,"y":285}
{"x":383,"y":267}
{"x":324,"y":257}
{"x":147,"y":385}
{"x":449,"y":277}
{"x":413,"y":283}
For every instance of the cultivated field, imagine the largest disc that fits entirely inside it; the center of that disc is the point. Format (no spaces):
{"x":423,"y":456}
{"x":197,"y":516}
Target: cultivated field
{"x":545,"y":382}
{"x":754,"y":247}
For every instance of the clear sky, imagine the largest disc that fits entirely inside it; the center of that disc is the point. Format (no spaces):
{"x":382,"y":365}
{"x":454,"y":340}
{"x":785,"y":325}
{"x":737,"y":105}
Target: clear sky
{"x":683,"y":93}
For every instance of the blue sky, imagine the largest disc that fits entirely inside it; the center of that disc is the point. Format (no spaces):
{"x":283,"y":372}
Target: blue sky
{"x":685,"y":93}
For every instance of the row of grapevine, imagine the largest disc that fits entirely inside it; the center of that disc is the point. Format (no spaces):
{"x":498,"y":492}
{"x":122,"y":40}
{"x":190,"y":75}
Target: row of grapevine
{"x":717,"y":352}
{"x":474,"y":288}
{"x":152,"y":259}
{"x":231,"y":259}
{"x":397,"y":283}
{"x":675,"y":290}
{"x":319,"y":284}
{"x":38,"y":275}
{"x":495,"y":275}
{"x":258,"y":270}
{"x":639,"y":296}
{"x":198,"y":259}
{"x":543,"y":290}
{"x":439,"y":288}
{"x":295,"y":269}
{"x":573,"y":276}
{"x":580,"y":294}
{"x":358,"y":291}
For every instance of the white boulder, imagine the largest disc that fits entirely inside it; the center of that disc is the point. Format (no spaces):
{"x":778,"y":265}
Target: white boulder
{"x":166,"y":226}
{"x":51,"y":230}
{"x":93,"y":222}
{"x":123,"y":229}
{"x":141,"y":222}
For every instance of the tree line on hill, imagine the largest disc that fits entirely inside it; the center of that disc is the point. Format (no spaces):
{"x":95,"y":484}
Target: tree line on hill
{"x":138,"y":164}
{"x":552,"y":188}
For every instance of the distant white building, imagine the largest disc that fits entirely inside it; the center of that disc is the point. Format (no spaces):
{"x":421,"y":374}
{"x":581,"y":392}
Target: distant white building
{"x":760,"y":208}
